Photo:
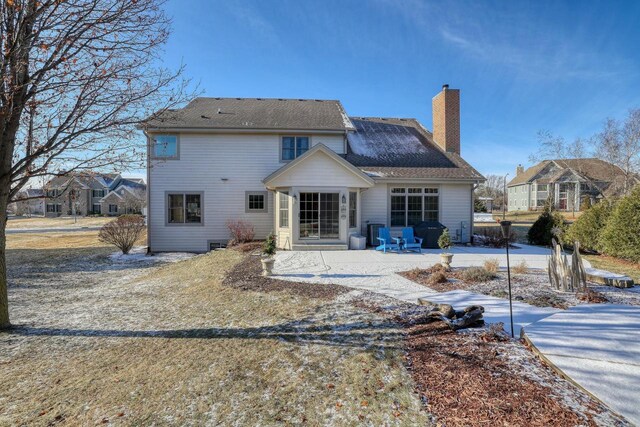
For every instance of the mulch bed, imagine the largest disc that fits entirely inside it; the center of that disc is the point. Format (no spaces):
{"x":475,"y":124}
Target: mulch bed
{"x":247,"y":276}
{"x":464,"y":382}
{"x":423,"y":277}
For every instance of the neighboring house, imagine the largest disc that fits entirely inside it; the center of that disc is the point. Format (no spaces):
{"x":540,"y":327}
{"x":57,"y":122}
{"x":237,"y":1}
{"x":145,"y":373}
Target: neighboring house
{"x":566,"y":183}
{"x":30,"y":202}
{"x":85,"y":194}
{"x":129,"y":196}
{"x":304,"y":170}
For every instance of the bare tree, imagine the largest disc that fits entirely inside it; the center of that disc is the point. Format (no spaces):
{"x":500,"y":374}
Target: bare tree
{"x":76,"y":77}
{"x":556,"y":147}
{"x":493,"y":187}
{"x":619,"y":144}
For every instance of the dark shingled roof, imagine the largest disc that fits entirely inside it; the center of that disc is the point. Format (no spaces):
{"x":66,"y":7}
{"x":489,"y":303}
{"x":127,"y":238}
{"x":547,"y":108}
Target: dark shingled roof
{"x":592,"y":169}
{"x":402,"y":148}
{"x":255,"y":113}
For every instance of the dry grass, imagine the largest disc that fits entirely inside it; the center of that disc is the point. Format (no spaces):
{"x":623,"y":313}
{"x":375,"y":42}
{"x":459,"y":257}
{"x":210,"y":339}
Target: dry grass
{"x":521,"y":268}
{"x":492,"y":265}
{"x":519,"y":230}
{"x":531,"y":216}
{"x":68,"y":240}
{"x":615,"y":265}
{"x":172,"y":345}
{"x":62,"y":222}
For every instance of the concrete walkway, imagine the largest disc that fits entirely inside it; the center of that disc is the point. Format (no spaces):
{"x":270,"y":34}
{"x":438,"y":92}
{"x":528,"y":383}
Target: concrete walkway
{"x":598,"y":347}
{"x":375,"y":271}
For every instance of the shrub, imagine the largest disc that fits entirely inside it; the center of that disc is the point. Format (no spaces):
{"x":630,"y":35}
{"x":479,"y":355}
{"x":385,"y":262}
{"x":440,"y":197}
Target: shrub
{"x":269,"y":247}
{"x":241,"y":232}
{"x":477,"y":275}
{"x":521,"y":268}
{"x":444,"y":241}
{"x":437,"y":267}
{"x":492,"y":236}
{"x":437,"y":277}
{"x":621,"y":235}
{"x":548,"y":225}
{"x":492,"y":265}
{"x":122,"y":232}
{"x":479,"y":206}
{"x":588,"y":228}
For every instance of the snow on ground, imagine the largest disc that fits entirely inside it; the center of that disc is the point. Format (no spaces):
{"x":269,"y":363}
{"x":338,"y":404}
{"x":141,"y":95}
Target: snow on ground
{"x":139,"y":254}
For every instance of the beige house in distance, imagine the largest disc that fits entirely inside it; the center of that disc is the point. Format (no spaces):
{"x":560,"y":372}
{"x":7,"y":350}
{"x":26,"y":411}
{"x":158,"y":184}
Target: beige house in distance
{"x":567,"y":183}
{"x":93,"y":194}
{"x":303,"y":169}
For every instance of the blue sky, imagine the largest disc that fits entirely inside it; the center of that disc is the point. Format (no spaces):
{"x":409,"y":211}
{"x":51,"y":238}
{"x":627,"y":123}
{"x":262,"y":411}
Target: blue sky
{"x":521,"y":66}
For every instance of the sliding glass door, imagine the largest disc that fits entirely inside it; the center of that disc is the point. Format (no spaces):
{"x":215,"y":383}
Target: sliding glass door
{"x":319,"y":215}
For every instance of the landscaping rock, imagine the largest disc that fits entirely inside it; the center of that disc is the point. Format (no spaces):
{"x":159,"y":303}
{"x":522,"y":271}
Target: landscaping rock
{"x":604,"y":277}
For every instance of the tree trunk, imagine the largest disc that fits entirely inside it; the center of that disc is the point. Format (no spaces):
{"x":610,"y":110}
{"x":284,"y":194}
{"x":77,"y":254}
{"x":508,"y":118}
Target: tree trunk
{"x":4,"y":297}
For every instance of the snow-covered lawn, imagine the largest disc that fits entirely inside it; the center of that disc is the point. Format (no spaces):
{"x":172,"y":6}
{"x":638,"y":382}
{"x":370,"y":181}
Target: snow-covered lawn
{"x":101,"y":338}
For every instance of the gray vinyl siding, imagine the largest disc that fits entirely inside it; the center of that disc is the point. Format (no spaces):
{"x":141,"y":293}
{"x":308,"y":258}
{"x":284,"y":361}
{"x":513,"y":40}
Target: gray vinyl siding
{"x":455,"y":210}
{"x":242,"y":160}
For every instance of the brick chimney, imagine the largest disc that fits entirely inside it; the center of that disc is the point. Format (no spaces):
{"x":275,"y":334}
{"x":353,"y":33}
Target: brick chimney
{"x":446,"y":119}
{"x":519,"y":170}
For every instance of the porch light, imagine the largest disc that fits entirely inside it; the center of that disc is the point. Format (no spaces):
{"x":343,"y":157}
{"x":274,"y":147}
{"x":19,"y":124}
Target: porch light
{"x":295,"y":199}
{"x":506,"y":230}
{"x":344,"y":199}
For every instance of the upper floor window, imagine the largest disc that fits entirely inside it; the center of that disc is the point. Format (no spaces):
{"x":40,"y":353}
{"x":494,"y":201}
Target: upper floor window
{"x":294,"y":146}
{"x":542,"y":187}
{"x":52,"y":193}
{"x":97,"y":193}
{"x":165,"y":146}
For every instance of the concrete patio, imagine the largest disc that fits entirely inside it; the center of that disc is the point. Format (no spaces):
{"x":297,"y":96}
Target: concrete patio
{"x":375,"y":271}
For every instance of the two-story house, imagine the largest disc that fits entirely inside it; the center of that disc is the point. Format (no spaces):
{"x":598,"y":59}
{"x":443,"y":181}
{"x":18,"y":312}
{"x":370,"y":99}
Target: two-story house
{"x":303,"y":169}
{"x":566,"y":183}
{"x":93,"y":194}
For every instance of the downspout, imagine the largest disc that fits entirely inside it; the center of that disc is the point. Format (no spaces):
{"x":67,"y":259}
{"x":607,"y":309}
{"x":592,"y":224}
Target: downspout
{"x":474,"y":187}
{"x":148,"y":195}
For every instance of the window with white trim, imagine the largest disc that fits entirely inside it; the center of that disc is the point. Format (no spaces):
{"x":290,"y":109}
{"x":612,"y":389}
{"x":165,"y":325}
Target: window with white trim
{"x":113,"y":209}
{"x":97,"y":193}
{"x":283,"y":209}
{"x":54,"y":208}
{"x":184,"y":208}
{"x":412,"y":205}
{"x":97,"y":209}
{"x":165,"y":146}
{"x":353,"y":209}
{"x":293,"y":147}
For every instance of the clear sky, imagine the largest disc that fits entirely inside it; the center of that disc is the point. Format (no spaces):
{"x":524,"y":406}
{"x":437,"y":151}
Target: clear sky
{"x":521,"y":66}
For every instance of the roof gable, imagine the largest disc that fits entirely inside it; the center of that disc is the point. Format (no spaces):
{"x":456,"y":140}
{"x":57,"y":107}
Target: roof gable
{"x":319,"y":160}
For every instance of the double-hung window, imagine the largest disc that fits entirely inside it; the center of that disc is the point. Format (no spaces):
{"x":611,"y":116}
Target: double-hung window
{"x":293,"y":146}
{"x":410,"y":206}
{"x":165,"y":146}
{"x":113,"y":209}
{"x":353,"y":209}
{"x":97,"y":193}
{"x":97,"y":209}
{"x":184,"y":208}
{"x":54,"y":208}
{"x":283,"y":209}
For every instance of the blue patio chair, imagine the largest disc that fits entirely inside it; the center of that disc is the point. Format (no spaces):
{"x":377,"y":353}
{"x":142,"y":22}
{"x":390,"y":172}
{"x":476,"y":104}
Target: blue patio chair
{"x":384,"y":236}
{"x":411,"y":242}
